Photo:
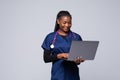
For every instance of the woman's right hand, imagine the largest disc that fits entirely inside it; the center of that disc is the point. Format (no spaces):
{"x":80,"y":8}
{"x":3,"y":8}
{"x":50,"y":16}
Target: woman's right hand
{"x":62,"y":55}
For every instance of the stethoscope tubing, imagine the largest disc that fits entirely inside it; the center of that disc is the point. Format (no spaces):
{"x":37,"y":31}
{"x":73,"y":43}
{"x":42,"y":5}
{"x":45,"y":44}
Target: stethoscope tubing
{"x":54,"y":39}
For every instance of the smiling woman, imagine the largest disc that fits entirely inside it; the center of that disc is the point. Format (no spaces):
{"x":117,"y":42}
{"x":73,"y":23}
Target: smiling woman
{"x":65,"y":24}
{"x":56,"y":48}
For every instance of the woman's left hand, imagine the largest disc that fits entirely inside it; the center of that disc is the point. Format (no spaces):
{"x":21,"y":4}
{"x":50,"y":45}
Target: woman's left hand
{"x":78,"y":60}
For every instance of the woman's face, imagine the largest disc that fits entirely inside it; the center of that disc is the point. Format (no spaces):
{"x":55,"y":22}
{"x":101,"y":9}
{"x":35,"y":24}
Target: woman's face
{"x":65,"y":23}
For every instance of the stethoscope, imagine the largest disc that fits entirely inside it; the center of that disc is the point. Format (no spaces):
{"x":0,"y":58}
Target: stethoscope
{"x":54,"y":39}
{"x":53,"y":42}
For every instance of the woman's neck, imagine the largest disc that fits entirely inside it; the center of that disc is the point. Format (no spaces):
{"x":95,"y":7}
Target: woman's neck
{"x":62,"y":33}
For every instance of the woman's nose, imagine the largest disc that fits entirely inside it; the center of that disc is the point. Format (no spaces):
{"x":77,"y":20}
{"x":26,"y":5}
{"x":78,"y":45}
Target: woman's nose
{"x":67,"y":25}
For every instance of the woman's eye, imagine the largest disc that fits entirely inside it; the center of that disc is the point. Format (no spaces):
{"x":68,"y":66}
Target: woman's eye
{"x":64,"y":22}
{"x":67,"y":23}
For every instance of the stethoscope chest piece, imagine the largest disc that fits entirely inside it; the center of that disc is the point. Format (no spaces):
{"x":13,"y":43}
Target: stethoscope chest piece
{"x":51,"y":46}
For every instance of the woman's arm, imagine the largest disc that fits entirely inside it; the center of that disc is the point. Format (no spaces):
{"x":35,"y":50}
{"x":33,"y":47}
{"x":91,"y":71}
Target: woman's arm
{"x":48,"y":57}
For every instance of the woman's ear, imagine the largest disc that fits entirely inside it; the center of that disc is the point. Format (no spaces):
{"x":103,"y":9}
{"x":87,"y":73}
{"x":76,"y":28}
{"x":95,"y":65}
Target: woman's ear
{"x":58,"y":21}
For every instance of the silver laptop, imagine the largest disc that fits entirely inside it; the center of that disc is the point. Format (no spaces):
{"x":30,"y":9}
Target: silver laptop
{"x":84,"y":49}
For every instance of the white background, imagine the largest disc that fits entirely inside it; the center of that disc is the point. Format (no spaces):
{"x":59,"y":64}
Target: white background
{"x":25,"y":23}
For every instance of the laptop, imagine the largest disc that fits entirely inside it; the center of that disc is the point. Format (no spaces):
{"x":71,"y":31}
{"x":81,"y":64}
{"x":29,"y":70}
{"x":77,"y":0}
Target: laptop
{"x":84,"y":49}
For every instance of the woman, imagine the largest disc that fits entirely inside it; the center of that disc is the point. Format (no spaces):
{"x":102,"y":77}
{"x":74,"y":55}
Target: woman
{"x":56,"y":48}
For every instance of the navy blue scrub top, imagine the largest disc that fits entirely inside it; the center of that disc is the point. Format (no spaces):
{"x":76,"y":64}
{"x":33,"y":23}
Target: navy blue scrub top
{"x":62,"y":69}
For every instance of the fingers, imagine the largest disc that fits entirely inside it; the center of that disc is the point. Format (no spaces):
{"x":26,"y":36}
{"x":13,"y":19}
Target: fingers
{"x":65,"y":55}
{"x":62,"y":56}
{"x":78,"y":60}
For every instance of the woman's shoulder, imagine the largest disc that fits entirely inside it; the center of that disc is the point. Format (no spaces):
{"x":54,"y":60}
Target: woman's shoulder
{"x":78,"y":36}
{"x":50,"y":35}
{"x":76,"y":33}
